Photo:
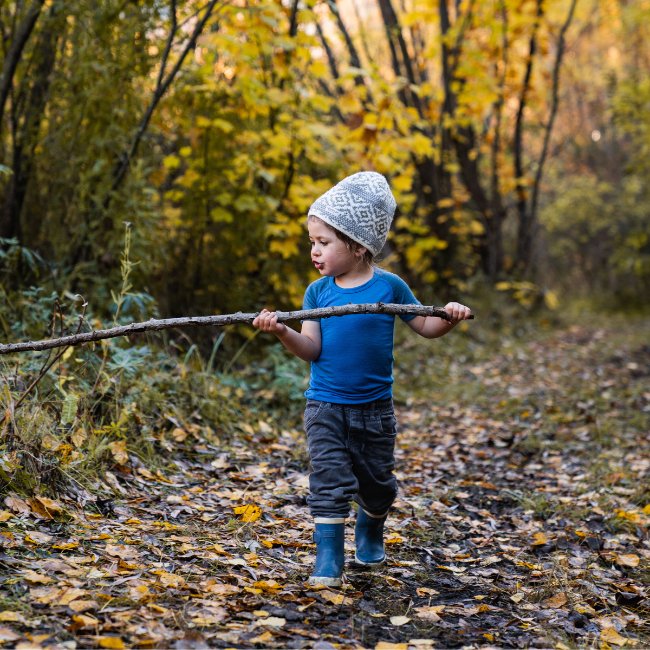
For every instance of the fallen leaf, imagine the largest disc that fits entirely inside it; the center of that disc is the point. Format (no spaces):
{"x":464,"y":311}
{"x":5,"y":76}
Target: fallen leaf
{"x":248,"y":513}
{"x":539,"y":539}
{"x":8,"y":616}
{"x":8,"y":635}
{"x":271,"y":621}
{"x":453,"y":569}
{"x":65,"y":546}
{"x":5,"y":515}
{"x":123,"y":551}
{"x":628,"y":559}
{"x":386,"y":645}
{"x":118,"y":449}
{"x":45,"y":508}
{"x":169,"y":579}
{"x":554,"y":602}
{"x":263,"y":639}
{"x":632,"y":516}
{"x":81,"y":620}
{"x":34,"y":537}
{"x":426,"y":591}
{"x":270,"y":586}
{"x":517,"y":597}
{"x":429,"y":613}
{"x":18,"y":505}
{"x":36,"y":578}
{"x":610,"y":635}
{"x":114,"y":642}
{"x":399,"y":620}
{"x":80,"y":606}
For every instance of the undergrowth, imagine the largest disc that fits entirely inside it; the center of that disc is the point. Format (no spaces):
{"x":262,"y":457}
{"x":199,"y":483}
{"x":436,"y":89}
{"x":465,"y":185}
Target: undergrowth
{"x":72,"y":414}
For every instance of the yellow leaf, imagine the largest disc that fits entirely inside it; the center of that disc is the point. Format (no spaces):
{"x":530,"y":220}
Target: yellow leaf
{"x":610,"y":635}
{"x":399,"y":620}
{"x":249,"y":513}
{"x":111,"y":642}
{"x":65,"y":546}
{"x":646,"y":509}
{"x":36,"y":578}
{"x":45,"y":508}
{"x":268,"y":585}
{"x":66,"y":596}
{"x":386,"y":645}
{"x":80,"y":606}
{"x":169,"y":579}
{"x":263,"y":639}
{"x":5,"y":515}
{"x":402,"y":183}
{"x":539,"y":539}
{"x":11,"y":617}
{"x":631,"y":515}
{"x":171,"y":162}
{"x":179,"y":434}
{"x":81,"y":620}
{"x":551,"y":300}
{"x":118,"y":449}
{"x":628,"y":559}
{"x":319,"y":69}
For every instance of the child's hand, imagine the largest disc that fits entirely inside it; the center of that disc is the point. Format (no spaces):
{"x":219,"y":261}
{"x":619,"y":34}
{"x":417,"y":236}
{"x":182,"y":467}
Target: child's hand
{"x":267,"y":321}
{"x":457,"y":312}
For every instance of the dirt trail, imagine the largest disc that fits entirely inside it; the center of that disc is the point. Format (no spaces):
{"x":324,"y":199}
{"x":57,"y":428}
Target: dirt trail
{"x":522,"y":522}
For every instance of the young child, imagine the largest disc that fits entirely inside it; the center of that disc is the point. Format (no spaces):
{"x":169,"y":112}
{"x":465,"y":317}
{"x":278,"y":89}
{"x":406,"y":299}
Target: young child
{"x":349,"y":417}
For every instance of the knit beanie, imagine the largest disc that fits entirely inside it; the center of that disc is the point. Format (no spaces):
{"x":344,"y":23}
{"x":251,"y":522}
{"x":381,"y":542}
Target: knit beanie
{"x":361,"y":206}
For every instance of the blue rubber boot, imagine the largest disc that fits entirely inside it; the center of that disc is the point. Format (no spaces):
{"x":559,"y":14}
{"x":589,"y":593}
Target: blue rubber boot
{"x":329,"y":537}
{"x":369,"y":537}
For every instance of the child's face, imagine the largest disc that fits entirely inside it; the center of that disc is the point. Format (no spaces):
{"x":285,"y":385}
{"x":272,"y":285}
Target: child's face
{"x":329,"y":254}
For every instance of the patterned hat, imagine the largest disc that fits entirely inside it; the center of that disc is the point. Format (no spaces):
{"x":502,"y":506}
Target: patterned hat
{"x":361,"y":206}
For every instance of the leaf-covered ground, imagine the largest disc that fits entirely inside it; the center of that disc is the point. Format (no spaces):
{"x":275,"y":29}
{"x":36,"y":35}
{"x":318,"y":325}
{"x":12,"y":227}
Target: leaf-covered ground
{"x":522,"y":522}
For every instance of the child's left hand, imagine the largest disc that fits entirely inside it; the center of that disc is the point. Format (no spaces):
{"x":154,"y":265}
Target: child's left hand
{"x":457,"y":312}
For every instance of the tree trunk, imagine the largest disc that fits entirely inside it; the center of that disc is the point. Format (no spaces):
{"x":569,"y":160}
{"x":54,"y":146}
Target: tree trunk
{"x":27,"y":128}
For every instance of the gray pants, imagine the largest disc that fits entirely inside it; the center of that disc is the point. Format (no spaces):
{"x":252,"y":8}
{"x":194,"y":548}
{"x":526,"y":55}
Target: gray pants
{"x":351,"y":448}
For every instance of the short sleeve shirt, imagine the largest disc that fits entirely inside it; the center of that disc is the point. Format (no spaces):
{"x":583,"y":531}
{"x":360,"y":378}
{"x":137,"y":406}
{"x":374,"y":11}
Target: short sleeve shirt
{"x":356,"y":360}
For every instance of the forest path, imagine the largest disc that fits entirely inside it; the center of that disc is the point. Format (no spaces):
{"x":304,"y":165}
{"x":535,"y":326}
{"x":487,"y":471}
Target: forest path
{"x":522,"y":521}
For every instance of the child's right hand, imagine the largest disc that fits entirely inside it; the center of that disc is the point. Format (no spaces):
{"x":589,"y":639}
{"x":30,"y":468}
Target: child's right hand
{"x":267,"y":321}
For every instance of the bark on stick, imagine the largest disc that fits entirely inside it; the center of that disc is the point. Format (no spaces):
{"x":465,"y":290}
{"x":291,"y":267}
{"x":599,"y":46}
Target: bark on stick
{"x":219,"y":321}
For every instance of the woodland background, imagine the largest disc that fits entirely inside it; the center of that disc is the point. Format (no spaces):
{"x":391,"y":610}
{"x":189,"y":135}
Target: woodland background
{"x":158,"y":158}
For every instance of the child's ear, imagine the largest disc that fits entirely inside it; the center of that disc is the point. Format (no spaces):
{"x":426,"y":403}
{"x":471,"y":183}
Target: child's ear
{"x":360,"y":251}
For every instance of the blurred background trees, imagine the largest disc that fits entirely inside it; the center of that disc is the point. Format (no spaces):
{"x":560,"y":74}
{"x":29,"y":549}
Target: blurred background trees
{"x":515,"y":135}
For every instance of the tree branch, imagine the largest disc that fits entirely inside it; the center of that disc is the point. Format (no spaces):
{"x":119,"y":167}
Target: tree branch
{"x":555,"y":100}
{"x":220,"y":321}
{"x":162,"y":85}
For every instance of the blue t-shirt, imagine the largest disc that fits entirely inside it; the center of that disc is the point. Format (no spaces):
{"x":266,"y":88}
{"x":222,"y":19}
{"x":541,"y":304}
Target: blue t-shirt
{"x":356,"y":360}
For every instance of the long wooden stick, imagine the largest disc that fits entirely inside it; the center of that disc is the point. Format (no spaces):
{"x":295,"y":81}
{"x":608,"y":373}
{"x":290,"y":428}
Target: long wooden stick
{"x":219,"y":321}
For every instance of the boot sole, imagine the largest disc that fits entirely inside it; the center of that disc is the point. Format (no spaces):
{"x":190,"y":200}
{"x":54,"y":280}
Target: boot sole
{"x":362,"y":563}
{"x":325,"y":582}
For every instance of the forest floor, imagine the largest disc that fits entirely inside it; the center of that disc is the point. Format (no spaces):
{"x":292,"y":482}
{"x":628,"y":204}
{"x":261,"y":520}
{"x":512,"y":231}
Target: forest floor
{"x":522,"y":521}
